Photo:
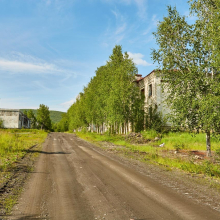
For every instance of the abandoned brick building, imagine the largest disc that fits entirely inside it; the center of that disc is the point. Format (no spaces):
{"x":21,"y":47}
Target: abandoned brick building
{"x":150,"y":86}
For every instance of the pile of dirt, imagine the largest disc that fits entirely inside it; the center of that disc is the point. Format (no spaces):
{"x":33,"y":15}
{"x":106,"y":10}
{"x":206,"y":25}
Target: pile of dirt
{"x":136,"y":138}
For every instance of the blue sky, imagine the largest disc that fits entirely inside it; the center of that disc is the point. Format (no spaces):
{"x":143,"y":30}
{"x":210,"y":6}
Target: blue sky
{"x":50,"y":49}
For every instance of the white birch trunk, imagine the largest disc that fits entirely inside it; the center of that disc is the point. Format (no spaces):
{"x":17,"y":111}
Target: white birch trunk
{"x":208,"y":144}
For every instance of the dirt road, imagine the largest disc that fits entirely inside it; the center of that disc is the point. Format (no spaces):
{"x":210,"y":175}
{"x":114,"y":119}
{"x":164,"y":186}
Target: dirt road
{"x":74,"y":181}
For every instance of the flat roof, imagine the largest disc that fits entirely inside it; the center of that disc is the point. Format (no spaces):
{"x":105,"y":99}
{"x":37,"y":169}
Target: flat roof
{"x":9,"y":110}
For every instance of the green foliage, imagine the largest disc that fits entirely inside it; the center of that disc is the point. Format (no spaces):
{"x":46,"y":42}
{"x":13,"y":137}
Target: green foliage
{"x":1,"y":123}
{"x":25,"y":112}
{"x":178,"y":147}
{"x":218,"y":152}
{"x":31,"y":116}
{"x":61,"y":126}
{"x":208,"y":22}
{"x":94,"y":137}
{"x":111,"y":98}
{"x":161,"y":156}
{"x":190,"y":64}
{"x":150,"y":134}
{"x":55,"y":116}
{"x":14,"y":142}
{"x":43,"y":117}
{"x":154,"y":119}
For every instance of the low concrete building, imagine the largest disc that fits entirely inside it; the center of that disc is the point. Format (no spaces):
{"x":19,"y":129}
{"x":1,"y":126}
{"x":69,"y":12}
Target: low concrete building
{"x":150,"y":86}
{"x":14,"y":118}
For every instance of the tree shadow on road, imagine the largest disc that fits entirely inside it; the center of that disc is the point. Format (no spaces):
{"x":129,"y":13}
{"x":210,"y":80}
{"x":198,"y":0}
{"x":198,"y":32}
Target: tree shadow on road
{"x":26,"y":217}
{"x":45,"y":152}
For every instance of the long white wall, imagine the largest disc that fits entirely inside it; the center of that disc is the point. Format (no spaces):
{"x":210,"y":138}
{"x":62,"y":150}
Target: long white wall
{"x":10,"y":119}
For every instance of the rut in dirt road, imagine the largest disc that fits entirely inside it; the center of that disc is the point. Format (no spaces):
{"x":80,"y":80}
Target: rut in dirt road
{"x":73,"y":181}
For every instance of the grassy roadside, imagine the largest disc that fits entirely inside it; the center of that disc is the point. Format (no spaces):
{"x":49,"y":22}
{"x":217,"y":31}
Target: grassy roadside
{"x":14,"y":164}
{"x":15,"y":142}
{"x":181,"y":150}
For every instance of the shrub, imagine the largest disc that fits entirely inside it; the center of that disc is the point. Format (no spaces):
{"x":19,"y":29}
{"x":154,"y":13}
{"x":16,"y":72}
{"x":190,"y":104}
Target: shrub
{"x":1,"y":123}
{"x":154,"y":119}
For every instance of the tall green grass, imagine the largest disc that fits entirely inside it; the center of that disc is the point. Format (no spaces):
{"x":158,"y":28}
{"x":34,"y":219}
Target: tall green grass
{"x":172,"y":140}
{"x":188,"y":141}
{"x":14,"y":142}
{"x":163,"y":156}
{"x":100,"y":137}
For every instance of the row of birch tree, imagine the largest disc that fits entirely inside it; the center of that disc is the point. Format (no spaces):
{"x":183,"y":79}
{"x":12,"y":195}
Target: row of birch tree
{"x":112,"y":100}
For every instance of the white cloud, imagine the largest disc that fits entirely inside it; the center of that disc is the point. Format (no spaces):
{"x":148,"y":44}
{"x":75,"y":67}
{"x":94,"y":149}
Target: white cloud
{"x":141,"y":4}
{"x":137,"y":58}
{"x":119,"y":38}
{"x":67,"y":104}
{"x":154,"y":20}
{"x":152,"y":25}
{"x":48,"y":2}
{"x":23,"y":67}
{"x":105,"y":45}
{"x":58,"y":4}
{"x":41,"y":85}
{"x":16,"y":103}
{"x":118,"y":32}
{"x":25,"y":64}
{"x":120,"y":22}
{"x":115,"y":14}
{"x":120,"y":29}
{"x":147,"y":31}
{"x":126,"y":1}
{"x":66,"y":78}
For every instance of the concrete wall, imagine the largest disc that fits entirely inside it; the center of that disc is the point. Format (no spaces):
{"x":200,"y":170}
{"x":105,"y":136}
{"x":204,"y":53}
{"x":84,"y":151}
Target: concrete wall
{"x":10,"y":118}
{"x":13,"y":118}
{"x":158,"y":97}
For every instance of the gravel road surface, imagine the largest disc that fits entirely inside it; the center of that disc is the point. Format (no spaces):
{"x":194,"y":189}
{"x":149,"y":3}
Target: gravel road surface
{"x":73,"y":181}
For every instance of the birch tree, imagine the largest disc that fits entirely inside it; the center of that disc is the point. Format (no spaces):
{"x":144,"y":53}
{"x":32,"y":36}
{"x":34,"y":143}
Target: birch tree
{"x":111,"y":97}
{"x":43,"y":117}
{"x":31,"y":116}
{"x":187,"y":58}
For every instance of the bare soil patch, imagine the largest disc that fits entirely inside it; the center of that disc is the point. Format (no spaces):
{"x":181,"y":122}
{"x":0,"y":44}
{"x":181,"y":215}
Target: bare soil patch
{"x":198,"y":187}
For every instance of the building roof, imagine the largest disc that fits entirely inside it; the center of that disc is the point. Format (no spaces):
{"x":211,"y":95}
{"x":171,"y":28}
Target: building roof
{"x":10,"y":110}
{"x":145,"y":76}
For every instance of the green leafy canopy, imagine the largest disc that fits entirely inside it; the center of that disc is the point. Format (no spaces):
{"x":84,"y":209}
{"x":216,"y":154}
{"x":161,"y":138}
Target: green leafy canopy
{"x":189,"y":60}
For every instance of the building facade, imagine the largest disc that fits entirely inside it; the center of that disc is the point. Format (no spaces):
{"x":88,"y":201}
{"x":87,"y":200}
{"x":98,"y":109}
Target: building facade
{"x":150,"y":86}
{"x":14,"y":118}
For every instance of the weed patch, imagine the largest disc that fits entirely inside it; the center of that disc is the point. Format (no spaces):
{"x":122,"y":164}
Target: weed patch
{"x":165,"y":156}
{"x":14,"y":145}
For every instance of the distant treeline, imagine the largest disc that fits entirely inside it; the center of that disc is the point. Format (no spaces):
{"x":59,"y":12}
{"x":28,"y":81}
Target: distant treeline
{"x":55,"y":116}
{"x":111,"y":101}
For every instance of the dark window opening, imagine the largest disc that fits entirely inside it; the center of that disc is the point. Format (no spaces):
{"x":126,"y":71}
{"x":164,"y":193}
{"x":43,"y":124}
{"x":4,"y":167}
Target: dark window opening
{"x":150,"y":90}
{"x":143,"y":92}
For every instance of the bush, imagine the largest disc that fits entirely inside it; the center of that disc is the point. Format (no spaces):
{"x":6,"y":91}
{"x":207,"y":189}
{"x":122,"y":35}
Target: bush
{"x":150,"y":134}
{"x":178,"y":147}
{"x":154,"y":119}
{"x":1,"y":123}
{"x":217,"y":152}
